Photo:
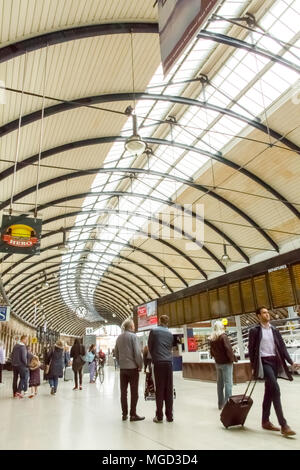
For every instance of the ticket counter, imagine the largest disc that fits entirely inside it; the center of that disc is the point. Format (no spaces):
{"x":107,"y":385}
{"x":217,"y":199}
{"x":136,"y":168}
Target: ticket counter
{"x":196,"y":366}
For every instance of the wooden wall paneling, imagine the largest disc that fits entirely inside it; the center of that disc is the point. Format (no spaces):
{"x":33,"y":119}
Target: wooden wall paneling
{"x":261,"y":291}
{"x":295,"y":274}
{"x":235,"y":298}
{"x":247,"y":295}
{"x":281,"y":288}
{"x":188,"y":310}
{"x":195,"y":300}
{"x":180,"y":312}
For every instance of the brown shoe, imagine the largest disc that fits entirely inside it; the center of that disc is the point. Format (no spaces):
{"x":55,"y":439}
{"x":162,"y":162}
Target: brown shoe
{"x":269,"y":426}
{"x":287,"y":431}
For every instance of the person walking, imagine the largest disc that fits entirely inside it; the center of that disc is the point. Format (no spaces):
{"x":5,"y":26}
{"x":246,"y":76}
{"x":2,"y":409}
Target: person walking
{"x":92,"y":361}
{"x":160,"y":343}
{"x":55,"y":360}
{"x":77,"y":353}
{"x":2,"y":359}
{"x":268,"y":356}
{"x":34,"y":375}
{"x":129,"y":356}
{"x":19,"y":366}
{"x":221,"y":351}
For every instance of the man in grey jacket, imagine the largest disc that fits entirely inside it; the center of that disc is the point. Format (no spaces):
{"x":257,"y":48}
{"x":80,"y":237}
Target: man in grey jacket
{"x":129,"y":356}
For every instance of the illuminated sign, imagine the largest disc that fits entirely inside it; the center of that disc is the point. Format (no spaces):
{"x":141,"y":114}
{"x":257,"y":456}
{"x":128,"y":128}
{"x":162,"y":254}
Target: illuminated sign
{"x":20,"y":234}
{"x":147,"y":316}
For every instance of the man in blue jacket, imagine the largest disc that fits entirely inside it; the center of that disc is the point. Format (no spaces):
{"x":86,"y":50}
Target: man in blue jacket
{"x":20,"y":366}
{"x":160,"y":345}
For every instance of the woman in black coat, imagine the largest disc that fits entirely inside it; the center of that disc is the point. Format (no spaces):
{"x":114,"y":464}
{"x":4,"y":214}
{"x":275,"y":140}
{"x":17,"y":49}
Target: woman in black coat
{"x":56,"y":361}
{"x":77,"y":351}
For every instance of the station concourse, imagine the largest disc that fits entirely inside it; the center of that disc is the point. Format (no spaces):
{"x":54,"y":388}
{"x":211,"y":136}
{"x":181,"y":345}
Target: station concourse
{"x":133,"y":186}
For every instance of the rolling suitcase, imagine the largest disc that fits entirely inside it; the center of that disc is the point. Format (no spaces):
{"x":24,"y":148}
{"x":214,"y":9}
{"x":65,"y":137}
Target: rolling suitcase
{"x":237,"y":408}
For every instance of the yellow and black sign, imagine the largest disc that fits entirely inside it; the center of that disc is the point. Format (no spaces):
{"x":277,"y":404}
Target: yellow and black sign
{"x":34,"y":340}
{"x":20,"y":234}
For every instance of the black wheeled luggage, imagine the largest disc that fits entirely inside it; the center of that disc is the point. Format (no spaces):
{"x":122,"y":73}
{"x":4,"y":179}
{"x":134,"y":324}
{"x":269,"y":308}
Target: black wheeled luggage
{"x":236,"y":409}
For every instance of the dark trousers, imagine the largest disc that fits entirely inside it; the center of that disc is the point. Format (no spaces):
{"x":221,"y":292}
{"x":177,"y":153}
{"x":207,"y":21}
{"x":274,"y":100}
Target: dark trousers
{"x":131,"y":377}
{"x":272,"y":391}
{"x":76,"y":374}
{"x":23,"y":382}
{"x":163,"y":375}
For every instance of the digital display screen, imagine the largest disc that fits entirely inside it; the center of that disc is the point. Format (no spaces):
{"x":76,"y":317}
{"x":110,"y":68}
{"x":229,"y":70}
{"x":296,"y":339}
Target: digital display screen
{"x":147,"y":316}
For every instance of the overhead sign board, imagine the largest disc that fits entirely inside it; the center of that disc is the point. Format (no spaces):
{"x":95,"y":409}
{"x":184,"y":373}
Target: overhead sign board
{"x":147,"y":316}
{"x":4,"y":312}
{"x":179,"y":21}
{"x":89,"y":331}
{"x":20,"y":234}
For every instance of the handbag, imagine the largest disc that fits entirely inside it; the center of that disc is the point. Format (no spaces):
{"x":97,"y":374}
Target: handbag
{"x":47,"y":368}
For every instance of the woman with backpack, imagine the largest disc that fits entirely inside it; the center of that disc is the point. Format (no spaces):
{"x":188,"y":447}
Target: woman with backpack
{"x":91,"y":359}
{"x":77,"y":353}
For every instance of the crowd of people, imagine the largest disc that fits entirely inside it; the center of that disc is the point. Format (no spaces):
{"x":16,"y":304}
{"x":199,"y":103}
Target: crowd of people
{"x":27,"y":367}
{"x":267,"y":353}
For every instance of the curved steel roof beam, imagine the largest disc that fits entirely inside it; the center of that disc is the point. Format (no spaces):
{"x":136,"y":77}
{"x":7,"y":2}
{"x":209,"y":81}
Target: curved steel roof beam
{"x":116,"y":266}
{"x":54,"y":292}
{"x":155,"y":219}
{"x":28,"y":312}
{"x":71,"y":34}
{"x":137,"y":232}
{"x":199,"y":187}
{"x":238,"y":43}
{"x":161,"y":201}
{"x":100,"y":99}
{"x":117,"y":255}
{"x":107,"y":273}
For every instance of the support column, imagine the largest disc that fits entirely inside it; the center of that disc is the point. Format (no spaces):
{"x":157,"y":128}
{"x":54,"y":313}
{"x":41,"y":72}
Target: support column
{"x":185,"y":338}
{"x":240,"y":337}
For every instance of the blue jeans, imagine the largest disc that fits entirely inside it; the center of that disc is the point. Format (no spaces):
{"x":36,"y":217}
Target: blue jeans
{"x":53,"y":383}
{"x":224,"y":380}
{"x":92,"y":369}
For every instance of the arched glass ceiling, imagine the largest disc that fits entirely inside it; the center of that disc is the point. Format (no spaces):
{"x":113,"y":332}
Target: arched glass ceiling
{"x":247,"y":83}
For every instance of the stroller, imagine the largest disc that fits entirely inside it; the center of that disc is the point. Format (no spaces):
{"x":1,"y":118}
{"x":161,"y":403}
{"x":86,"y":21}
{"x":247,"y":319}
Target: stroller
{"x":150,"y":387}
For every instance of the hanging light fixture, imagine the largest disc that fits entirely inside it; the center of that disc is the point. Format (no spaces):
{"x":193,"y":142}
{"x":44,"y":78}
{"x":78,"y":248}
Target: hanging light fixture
{"x":164,"y":285}
{"x":64,"y":247}
{"x":45,"y":283}
{"x":225,"y":257}
{"x":135,"y":144}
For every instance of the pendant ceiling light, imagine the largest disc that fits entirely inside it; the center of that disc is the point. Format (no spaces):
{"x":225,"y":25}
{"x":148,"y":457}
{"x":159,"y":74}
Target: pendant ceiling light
{"x":45,"y":283}
{"x":225,"y":257}
{"x":135,"y":144}
{"x":63,"y":247}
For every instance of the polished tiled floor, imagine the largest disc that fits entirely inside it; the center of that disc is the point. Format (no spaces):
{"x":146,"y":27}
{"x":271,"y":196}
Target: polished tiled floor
{"x":91,"y":419}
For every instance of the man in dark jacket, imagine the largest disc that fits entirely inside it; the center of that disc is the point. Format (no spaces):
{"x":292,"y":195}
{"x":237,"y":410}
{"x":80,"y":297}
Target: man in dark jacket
{"x":268,"y":356}
{"x":160,"y":345}
{"x":129,"y":356}
{"x":19,"y":366}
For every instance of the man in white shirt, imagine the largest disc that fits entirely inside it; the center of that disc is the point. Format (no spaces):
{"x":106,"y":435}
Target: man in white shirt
{"x":268,"y":356}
